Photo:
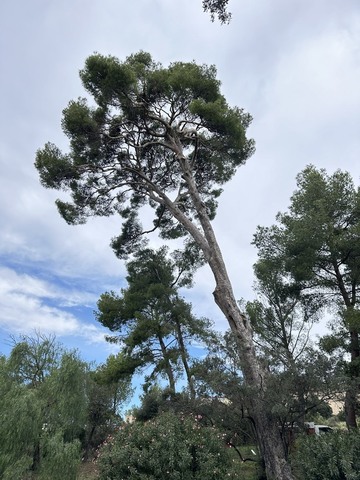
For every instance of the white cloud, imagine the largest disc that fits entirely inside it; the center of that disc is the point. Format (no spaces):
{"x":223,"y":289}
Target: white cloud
{"x":24,"y":308}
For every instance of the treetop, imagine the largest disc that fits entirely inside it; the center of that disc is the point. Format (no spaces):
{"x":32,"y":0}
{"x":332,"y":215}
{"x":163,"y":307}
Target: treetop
{"x":155,"y":135}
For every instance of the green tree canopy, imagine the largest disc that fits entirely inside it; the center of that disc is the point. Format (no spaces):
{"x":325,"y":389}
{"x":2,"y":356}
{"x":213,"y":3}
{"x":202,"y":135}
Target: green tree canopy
{"x":43,"y":403}
{"x":151,"y":320}
{"x":320,"y":236}
{"x":125,"y":152}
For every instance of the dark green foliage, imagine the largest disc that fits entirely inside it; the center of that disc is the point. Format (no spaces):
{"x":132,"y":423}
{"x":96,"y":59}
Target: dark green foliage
{"x":130,"y":239}
{"x":323,"y":220}
{"x":219,"y":373}
{"x":66,"y":393}
{"x":320,"y":231}
{"x":60,"y":459}
{"x":217,"y":8}
{"x":20,"y":426}
{"x":167,"y":448}
{"x":151,"y":129}
{"x":300,"y":393}
{"x":107,"y":388}
{"x":43,"y":403}
{"x":317,"y":241}
{"x":334,"y":456}
{"x":323,"y":410}
{"x":53,"y":409}
{"x":223,"y":398}
{"x":151,"y":402}
{"x":151,"y":320}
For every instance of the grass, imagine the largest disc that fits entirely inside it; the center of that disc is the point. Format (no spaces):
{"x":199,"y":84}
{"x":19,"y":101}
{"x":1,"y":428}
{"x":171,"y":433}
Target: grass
{"x":88,"y":471}
{"x":249,"y":470}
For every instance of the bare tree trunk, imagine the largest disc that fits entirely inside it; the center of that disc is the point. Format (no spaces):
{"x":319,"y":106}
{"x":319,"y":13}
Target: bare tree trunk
{"x":352,"y":388}
{"x":267,"y":430}
{"x":168,"y":369}
{"x":180,"y":340}
{"x":350,"y":408}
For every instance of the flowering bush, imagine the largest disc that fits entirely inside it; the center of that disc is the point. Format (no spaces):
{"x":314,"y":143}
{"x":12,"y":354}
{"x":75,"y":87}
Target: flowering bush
{"x":168,"y":447}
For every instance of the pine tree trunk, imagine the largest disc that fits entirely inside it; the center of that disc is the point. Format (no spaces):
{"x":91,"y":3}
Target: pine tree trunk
{"x":268,"y":432}
{"x":267,"y":429}
{"x":350,"y":409}
{"x":168,"y":369}
{"x":184,"y":359}
{"x":352,"y":390}
{"x":255,"y":375}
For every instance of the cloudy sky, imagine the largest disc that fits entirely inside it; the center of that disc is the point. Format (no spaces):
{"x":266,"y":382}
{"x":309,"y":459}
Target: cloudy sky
{"x":294,"y":65}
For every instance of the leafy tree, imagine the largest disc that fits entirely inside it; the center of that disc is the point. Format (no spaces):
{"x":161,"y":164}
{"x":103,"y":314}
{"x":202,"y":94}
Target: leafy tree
{"x":167,"y":447}
{"x":152,"y":321}
{"x":282,"y":318}
{"x":219,"y":373}
{"x":151,"y":402}
{"x":110,"y":376}
{"x":284,"y":313}
{"x":166,"y":138}
{"x":219,"y":8}
{"x":107,"y":391}
{"x":333,"y":456}
{"x":223,"y":400}
{"x":43,"y":405}
{"x":20,"y":427}
{"x":33,"y":357}
{"x":60,"y":458}
{"x":320,"y":234}
{"x":66,"y":398}
{"x":54,"y":408}
{"x":295,"y":392}
{"x":301,"y":393}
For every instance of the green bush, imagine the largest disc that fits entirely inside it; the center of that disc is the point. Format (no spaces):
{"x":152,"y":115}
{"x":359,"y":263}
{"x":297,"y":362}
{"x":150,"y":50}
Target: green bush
{"x":17,"y":469}
{"x":61,"y":460}
{"x":334,"y":456}
{"x":167,"y":448}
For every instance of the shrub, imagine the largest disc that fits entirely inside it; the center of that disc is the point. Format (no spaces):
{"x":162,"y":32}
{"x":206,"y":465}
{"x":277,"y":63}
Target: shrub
{"x":61,"y":460}
{"x":334,"y":456}
{"x":167,"y":448}
{"x":19,"y":468}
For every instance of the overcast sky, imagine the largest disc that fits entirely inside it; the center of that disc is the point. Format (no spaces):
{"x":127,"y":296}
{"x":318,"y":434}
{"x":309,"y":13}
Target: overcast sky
{"x":294,"y":65}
